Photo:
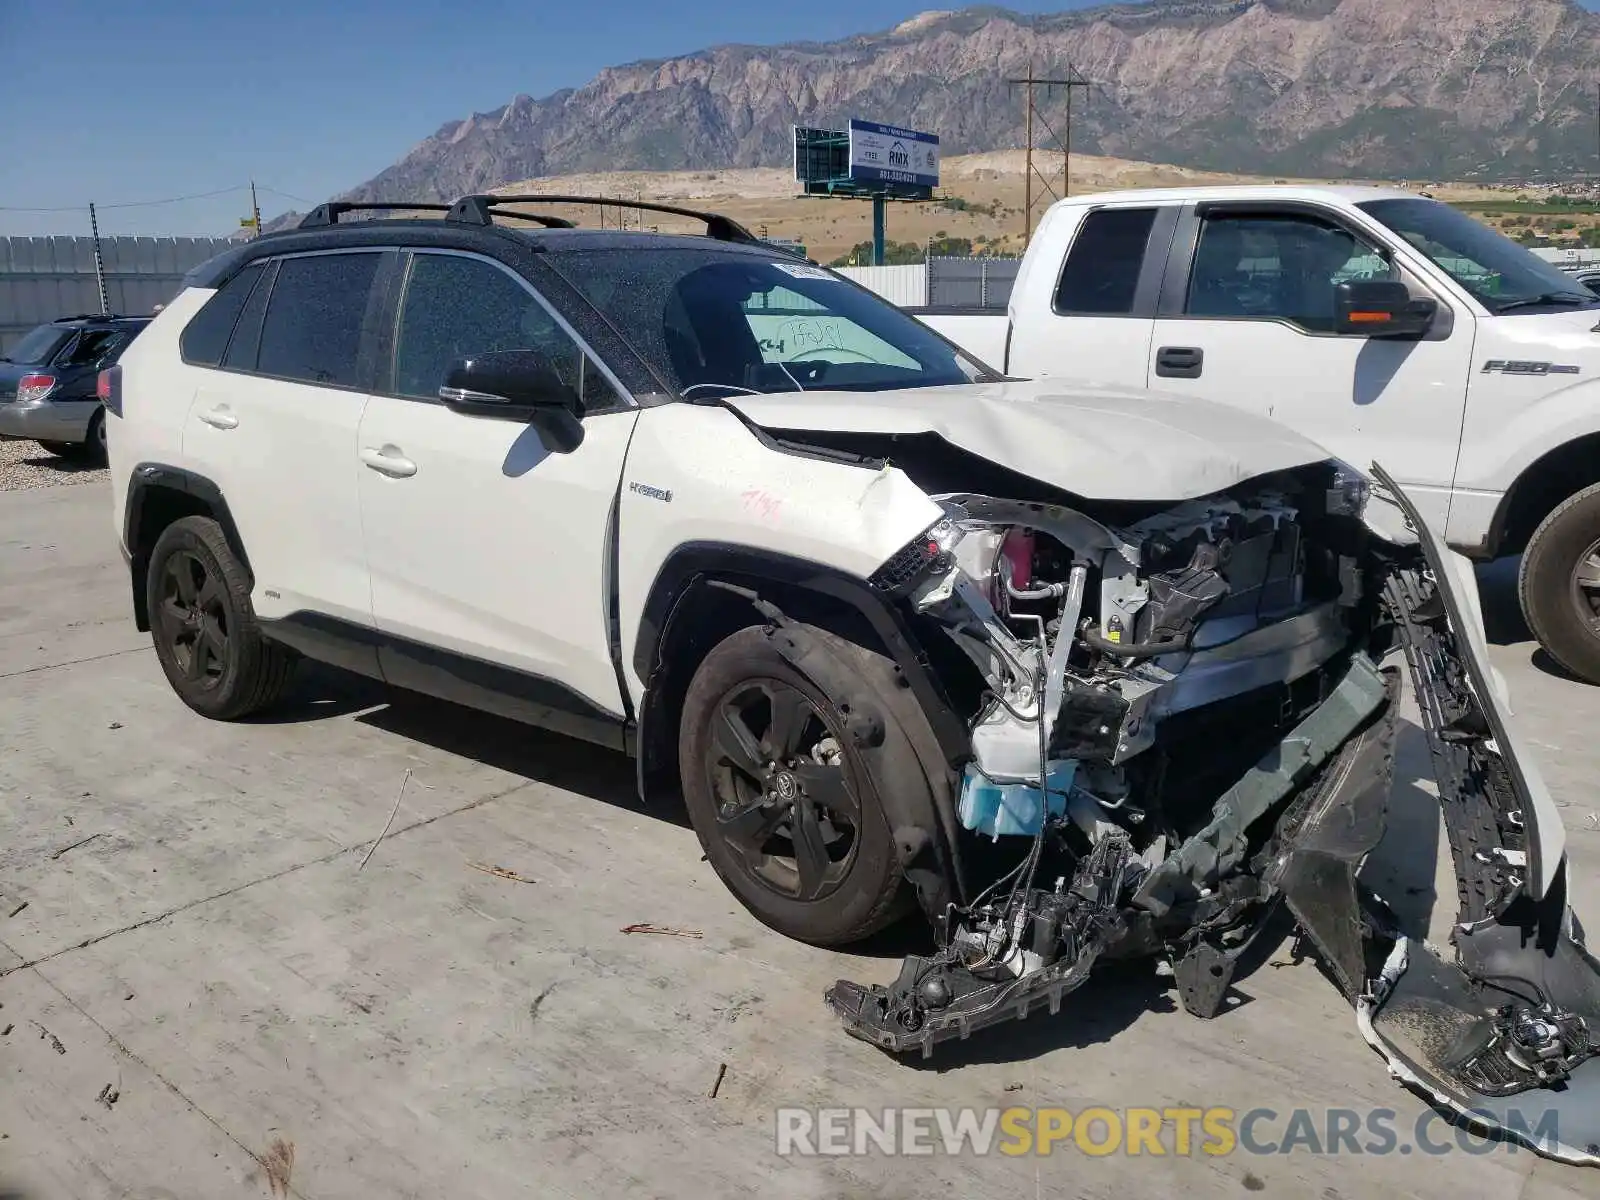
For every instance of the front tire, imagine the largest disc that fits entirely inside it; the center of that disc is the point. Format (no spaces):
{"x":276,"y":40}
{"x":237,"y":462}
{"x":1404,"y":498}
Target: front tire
{"x":204,"y":627}
{"x":784,"y":808}
{"x":1559,"y":584}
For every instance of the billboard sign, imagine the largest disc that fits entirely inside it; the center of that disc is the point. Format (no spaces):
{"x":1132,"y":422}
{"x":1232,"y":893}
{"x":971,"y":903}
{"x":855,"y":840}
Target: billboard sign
{"x":821,"y":156}
{"x":889,"y":154}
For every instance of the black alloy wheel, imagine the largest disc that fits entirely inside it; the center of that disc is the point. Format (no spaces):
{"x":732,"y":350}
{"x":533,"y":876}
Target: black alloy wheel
{"x":194,"y":618}
{"x":785,"y":803}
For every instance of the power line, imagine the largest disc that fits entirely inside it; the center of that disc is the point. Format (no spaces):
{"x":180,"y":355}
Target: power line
{"x":67,"y":208}
{"x":285,"y":195}
{"x":243,"y":187}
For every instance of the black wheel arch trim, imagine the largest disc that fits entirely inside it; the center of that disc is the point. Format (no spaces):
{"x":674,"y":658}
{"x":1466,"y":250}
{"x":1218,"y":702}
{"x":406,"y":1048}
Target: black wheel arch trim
{"x":150,"y":477}
{"x":692,"y":563}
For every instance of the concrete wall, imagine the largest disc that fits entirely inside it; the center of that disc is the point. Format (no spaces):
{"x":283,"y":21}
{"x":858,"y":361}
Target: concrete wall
{"x":42,"y":278}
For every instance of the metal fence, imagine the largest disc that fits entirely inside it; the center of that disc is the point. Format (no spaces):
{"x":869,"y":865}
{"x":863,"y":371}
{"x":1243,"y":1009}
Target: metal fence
{"x":42,"y":278}
{"x":971,"y":282}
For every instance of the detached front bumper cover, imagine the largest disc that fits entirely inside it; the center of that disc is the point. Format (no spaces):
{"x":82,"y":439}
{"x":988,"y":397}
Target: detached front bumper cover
{"x":1505,"y":1035}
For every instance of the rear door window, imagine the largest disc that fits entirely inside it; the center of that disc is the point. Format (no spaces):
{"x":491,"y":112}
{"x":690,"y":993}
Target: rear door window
{"x":1101,"y":275}
{"x":94,"y":347}
{"x":312,"y":331}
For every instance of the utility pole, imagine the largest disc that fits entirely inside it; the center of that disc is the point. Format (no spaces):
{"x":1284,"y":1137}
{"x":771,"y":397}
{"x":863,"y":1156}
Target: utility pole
{"x":255,"y":209}
{"x":99,"y":263}
{"x":1064,"y":142}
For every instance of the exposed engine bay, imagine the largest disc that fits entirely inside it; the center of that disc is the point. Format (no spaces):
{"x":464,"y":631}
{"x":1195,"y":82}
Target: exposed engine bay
{"x":1182,"y":718}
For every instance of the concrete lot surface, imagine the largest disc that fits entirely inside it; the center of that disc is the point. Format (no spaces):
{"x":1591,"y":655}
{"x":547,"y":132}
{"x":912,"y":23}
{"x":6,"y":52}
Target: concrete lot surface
{"x":207,"y":994}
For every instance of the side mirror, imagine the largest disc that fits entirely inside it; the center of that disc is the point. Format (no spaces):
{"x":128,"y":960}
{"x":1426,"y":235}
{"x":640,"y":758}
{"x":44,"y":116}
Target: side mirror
{"x":517,"y":385}
{"x":1381,"y":308}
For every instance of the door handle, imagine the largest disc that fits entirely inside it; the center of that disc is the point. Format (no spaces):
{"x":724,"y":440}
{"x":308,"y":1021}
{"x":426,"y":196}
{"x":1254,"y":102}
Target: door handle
{"x":220,"y":418}
{"x":389,"y":461}
{"x":1179,"y":362}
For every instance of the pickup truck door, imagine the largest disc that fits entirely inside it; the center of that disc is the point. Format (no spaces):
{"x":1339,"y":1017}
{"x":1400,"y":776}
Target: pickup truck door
{"x":1090,"y":319}
{"x":1245,"y":317}
{"x":490,"y":555}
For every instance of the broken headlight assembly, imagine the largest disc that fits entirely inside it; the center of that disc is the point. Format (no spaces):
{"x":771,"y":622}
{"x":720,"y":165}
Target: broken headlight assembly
{"x":1348,"y":492}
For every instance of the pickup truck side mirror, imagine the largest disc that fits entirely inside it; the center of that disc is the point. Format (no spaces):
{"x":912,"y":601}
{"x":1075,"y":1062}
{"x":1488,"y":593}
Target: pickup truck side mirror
{"x":1381,"y":308}
{"x":517,"y":385}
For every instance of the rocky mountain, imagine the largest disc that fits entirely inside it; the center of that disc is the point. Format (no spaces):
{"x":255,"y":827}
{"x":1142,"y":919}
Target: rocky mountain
{"x":1364,"y":88}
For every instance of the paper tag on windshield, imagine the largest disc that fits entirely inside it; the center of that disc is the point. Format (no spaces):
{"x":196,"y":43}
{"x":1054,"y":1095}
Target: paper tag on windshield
{"x":802,"y":272}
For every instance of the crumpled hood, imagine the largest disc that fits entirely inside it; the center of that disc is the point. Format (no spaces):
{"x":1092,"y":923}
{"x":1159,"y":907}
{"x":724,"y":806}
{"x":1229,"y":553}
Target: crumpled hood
{"x":1101,"y":443}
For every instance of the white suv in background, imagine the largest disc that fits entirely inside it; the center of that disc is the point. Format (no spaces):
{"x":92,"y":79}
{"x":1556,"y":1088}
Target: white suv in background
{"x":1078,"y":672}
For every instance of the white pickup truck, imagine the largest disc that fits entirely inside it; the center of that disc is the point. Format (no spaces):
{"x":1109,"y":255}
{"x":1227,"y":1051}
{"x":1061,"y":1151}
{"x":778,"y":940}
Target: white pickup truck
{"x":1380,"y":323}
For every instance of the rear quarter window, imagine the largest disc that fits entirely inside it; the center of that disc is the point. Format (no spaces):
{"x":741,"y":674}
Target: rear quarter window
{"x":1101,"y":274}
{"x":205,"y":338}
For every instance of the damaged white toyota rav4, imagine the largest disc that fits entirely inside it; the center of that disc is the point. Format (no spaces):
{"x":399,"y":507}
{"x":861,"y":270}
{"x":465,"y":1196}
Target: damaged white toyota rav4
{"x":1081,"y":674}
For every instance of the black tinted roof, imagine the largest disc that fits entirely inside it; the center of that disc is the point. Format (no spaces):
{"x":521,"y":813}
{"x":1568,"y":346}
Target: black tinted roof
{"x":457,"y":235}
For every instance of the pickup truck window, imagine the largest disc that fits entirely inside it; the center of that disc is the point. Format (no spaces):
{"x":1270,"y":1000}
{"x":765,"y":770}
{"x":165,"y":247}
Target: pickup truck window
{"x":1500,"y":275}
{"x":716,"y":321}
{"x":1279,"y":266}
{"x":1101,"y":275}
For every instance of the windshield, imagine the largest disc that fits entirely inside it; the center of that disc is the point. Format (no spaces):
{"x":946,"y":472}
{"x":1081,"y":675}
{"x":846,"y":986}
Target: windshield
{"x":1500,"y":274}
{"x":715,"y":323}
{"x":38,"y":346}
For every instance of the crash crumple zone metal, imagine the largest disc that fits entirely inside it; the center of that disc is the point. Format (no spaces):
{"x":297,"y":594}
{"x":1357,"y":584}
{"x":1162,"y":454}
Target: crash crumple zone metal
{"x":1214,"y":601}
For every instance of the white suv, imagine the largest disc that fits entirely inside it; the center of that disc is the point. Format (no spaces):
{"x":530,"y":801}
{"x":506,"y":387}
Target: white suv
{"x":1077,"y":672}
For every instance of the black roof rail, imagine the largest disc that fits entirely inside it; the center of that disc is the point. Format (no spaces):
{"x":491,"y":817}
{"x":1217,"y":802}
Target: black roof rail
{"x":99,"y":317}
{"x":474,"y":210}
{"x":329,"y":213}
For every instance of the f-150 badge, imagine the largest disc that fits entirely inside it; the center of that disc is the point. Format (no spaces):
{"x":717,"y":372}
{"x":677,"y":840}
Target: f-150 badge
{"x":1501,"y":366}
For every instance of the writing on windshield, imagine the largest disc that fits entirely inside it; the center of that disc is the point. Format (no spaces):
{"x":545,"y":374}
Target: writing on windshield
{"x":717,"y":321}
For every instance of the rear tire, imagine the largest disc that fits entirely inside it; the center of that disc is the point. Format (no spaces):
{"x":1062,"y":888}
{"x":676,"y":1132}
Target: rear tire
{"x":94,"y":442}
{"x":804,"y":845}
{"x":204,"y":626}
{"x":62,"y":449}
{"x":1559,"y":584}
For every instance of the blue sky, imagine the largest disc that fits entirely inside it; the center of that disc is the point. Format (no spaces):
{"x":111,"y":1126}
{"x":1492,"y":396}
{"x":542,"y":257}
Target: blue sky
{"x":126,"y":103}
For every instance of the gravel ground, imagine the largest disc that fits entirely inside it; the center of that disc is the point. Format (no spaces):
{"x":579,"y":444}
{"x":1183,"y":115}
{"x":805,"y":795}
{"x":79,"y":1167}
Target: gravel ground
{"x":26,"y":465}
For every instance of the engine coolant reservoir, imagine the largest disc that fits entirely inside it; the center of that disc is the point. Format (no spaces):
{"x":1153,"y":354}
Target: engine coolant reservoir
{"x":994,"y":808}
